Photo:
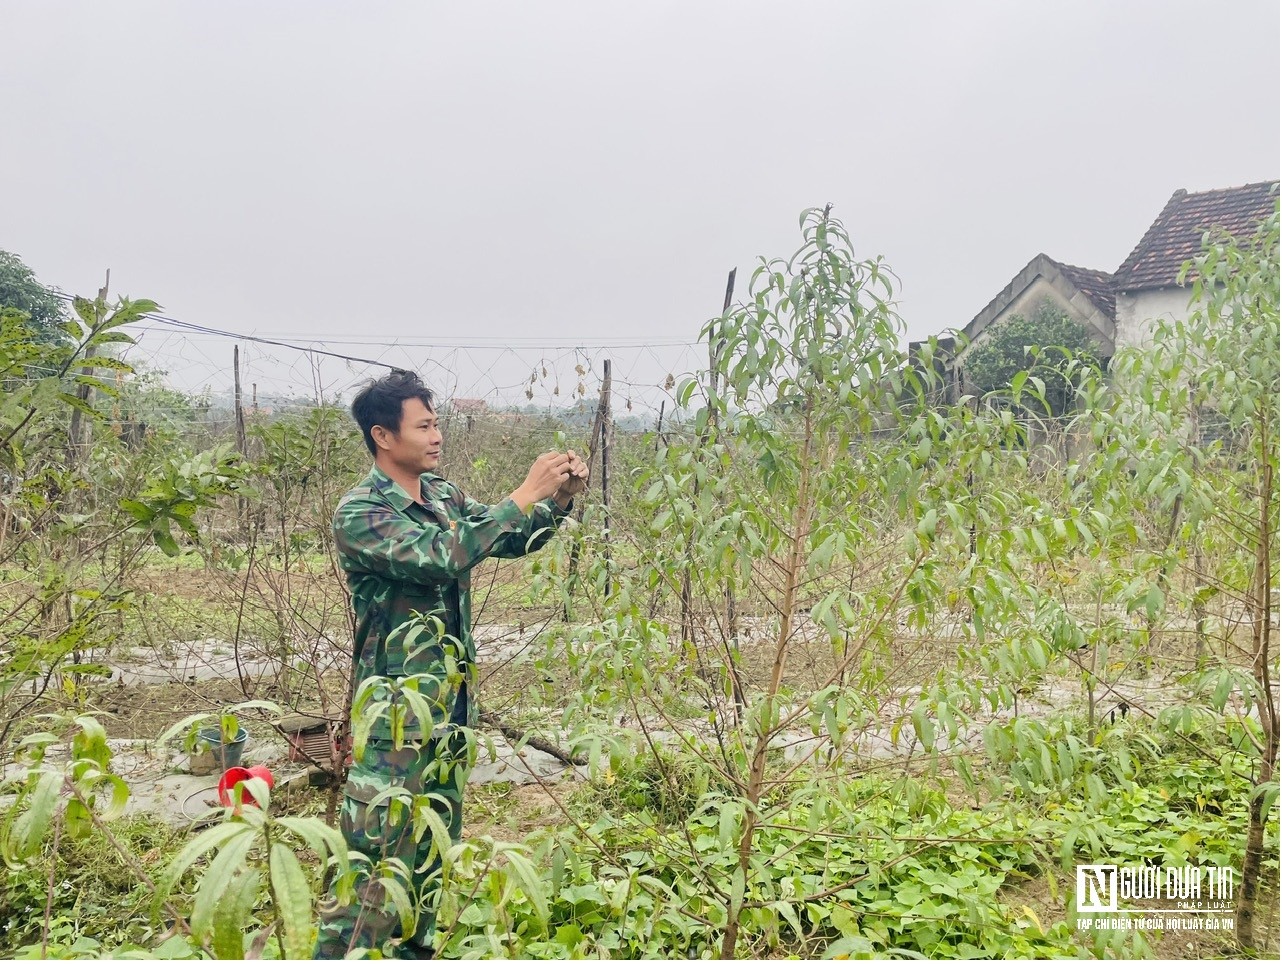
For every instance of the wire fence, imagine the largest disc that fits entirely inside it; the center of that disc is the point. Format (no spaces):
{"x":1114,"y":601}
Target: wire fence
{"x":476,"y":375}
{"x":507,"y":381}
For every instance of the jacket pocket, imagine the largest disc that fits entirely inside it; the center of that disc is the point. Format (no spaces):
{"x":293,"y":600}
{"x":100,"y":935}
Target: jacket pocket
{"x":424,"y":634}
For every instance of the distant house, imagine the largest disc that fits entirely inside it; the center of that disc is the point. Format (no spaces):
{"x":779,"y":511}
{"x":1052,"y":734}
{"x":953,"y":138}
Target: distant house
{"x":1084,"y":294}
{"x":1145,"y":283}
{"x":468,"y":406}
{"x":1119,"y":309}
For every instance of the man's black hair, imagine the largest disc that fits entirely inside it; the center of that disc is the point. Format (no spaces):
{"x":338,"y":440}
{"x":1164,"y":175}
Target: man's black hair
{"x":380,"y":403}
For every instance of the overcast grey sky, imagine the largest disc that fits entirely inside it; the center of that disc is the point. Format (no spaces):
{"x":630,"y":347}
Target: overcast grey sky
{"x":571,"y":172}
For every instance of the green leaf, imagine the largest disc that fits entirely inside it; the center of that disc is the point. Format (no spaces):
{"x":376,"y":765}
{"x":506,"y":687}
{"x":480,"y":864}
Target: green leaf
{"x":363,"y":724}
{"x":924,"y":725}
{"x":106,"y":361}
{"x":176,"y":948}
{"x":789,"y":914}
{"x":853,"y":947}
{"x":531,"y":884}
{"x":293,"y":898}
{"x":114,"y":338}
{"x":79,"y":404}
{"x":215,"y":836}
{"x":400,"y":899}
{"x":427,"y":819}
{"x":568,"y":936}
{"x":929,"y":519}
{"x":1267,"y":793}
{"x":119,"y":795}
{"x":215,"y":880}
{"x":1153,"y":601}
{"x":738,"y":888}
{"x":165,"y":540}
{"x":726,"y":824}
{"x":320,"y":836}
{"x":186,"y":726}
{"x":86,"y":309}
{"x":231,"y":916}
{"x":129,"y":310}
{"x":1017,"y":384}
{"x":31,"y":825}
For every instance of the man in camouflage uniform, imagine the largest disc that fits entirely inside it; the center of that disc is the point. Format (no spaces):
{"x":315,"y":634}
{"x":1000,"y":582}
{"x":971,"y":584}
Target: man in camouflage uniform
{"x":407,"y":540}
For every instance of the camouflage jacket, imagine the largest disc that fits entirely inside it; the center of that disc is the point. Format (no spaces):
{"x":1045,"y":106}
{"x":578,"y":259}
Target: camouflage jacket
{"x":405,"y":560}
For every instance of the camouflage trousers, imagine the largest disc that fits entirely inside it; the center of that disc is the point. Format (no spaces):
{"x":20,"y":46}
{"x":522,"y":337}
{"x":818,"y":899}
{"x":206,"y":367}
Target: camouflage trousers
{"x":381,"y":830}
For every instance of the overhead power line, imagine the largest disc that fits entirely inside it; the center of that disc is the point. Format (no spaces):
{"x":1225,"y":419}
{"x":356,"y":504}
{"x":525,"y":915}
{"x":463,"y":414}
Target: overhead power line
{"x":205,"y":330}
{"x":514,"y":371}
{"x":304,"y":343}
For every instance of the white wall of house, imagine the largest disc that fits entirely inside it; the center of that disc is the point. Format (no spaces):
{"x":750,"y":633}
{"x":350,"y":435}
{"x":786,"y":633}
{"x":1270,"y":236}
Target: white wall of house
{"x":1138,"y":311}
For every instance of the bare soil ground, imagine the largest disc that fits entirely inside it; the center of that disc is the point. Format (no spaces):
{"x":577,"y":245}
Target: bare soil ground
{"x":144,"y":712}
{"x":512,"y":812}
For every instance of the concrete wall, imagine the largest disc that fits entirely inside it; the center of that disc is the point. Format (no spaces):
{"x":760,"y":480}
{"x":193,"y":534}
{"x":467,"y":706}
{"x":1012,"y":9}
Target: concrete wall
{"x":1025,"y":303}
{"x":1138,"y":310}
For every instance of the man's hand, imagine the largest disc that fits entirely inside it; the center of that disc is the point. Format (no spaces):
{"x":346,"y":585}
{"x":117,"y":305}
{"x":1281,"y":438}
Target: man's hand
{"x":544,"y":480}
{"x":575,"y":482}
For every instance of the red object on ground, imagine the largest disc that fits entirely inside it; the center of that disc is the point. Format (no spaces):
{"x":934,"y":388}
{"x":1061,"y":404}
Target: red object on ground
{"x":234,"y":776}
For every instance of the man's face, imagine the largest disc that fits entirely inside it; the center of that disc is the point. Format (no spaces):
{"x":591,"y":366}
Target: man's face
{"x":417,"y":446}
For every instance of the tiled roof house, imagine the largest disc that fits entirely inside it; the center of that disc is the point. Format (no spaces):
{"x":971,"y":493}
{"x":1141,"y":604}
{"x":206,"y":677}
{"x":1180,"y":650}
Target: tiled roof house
{"x":1146,"y":284}
{"x":1119,"y":308}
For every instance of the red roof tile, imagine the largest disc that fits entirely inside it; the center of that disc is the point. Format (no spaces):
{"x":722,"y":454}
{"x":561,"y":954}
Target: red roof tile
{"x":1096,"y":285}
{"x":1176,"y":235}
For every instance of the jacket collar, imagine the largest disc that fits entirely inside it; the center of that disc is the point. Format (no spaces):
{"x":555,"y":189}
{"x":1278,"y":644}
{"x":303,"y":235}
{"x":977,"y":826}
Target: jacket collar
{"x":382,"y":483}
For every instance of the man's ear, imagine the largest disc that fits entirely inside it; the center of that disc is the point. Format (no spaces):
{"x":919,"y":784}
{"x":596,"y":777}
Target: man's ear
{"x":382,"y":436}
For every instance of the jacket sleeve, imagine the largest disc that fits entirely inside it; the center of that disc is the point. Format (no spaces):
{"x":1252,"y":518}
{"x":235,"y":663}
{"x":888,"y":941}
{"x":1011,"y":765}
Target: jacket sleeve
{"x":375,"y":537}
{"x":538,"y":527}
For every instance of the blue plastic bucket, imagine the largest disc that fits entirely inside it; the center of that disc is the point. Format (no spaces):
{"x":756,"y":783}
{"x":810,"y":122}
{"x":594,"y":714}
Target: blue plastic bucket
{"x":226,"y":755}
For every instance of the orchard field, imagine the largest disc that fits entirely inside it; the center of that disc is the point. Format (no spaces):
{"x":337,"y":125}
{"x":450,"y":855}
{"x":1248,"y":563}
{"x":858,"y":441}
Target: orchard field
{"x":836,"y":663}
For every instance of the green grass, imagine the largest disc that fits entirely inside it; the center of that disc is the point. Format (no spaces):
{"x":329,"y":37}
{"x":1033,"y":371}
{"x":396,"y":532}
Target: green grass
{"x":98,"y":904}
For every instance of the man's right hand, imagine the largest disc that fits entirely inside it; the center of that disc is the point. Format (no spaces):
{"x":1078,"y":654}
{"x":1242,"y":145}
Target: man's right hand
{"x":543,"y":480}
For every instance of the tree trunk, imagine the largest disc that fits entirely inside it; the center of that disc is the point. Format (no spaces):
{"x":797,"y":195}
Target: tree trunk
{"x":1261,"y":632}
{"x":756,"y":777}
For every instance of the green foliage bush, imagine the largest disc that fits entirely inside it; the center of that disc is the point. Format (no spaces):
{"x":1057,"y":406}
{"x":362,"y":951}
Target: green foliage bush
{"x":21,"y":291}
{"x":99,"y":904}
{"x":1041,"y":346}
{"x":663,"y":785}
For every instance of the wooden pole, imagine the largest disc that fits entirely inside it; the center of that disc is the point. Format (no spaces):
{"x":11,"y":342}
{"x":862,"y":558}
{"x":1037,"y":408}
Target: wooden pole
{"x":594,"y":446}
{"x":79,"y":430}
{"x":240,"y":408}
{"x":732,"y":619}
{"x":605,"y":468}
{"x":687,"y":599}
{"x":241,"y":446}
{"x":721,"y":342}
{"x":78,"y":439}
